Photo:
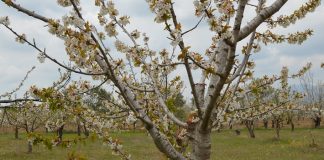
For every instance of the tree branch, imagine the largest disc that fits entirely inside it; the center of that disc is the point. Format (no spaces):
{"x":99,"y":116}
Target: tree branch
{"x":26,"y":11}
{"x":19,"y":100}
{"x":260,"y":18}
{"x":50,"y":58}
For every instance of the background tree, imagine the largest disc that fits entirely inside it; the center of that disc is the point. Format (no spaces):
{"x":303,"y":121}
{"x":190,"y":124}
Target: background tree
{"x":314,"y":95}
{"x":27,"y":116}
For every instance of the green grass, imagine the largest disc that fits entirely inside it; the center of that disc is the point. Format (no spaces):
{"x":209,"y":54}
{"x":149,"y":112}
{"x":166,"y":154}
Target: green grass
{"x":291,"y":146}
{"x":226,"y":146}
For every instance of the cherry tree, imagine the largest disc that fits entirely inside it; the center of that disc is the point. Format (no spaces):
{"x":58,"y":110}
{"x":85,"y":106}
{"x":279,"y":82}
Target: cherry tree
{"x":261,"y":100}
{"x":313,"y":100}
{"x":29,"y":117}
{"x":141,"y":78}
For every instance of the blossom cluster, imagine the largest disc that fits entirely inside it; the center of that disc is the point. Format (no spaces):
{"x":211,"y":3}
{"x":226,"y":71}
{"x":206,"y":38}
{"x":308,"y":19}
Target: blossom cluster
{"x":292,"y":38}
{"x":80,"y":46}
{"x":200,"y":7}
{"x":67,"y":3}
{"x":177,"y":37}
{"x":5,"y":21}
{"x":161,"y":8}
{"x":298,"y":14}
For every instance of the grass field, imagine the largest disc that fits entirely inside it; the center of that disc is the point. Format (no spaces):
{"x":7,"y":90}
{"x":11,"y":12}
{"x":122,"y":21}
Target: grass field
{"x":226,"y":146}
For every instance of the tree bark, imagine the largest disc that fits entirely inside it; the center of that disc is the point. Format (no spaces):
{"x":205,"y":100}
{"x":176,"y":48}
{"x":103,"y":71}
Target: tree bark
{"x":250,"y":126}
{"x":237,"y":132}
{"x":134,"y":126}
{"x":277,"y":126}
{"x":86,"y":131}
{"x":317,"y":122}
{"x":16,"y":132}
{"x":29,"y":147}
{"x":60,"y":133}
{"x":265,"y":124}
{"x":163,"y":144}
{"x":201,"y":148}
{"x":79,"y":129}
{"x":291,"y":122}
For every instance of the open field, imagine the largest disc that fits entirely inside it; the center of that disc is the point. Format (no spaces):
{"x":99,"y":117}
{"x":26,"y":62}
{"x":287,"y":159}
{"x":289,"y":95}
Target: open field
{"x":226,"y":146}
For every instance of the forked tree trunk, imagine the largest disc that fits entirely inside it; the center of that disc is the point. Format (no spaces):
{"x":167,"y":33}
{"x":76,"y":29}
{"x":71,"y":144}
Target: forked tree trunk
{"x":250,"y":126}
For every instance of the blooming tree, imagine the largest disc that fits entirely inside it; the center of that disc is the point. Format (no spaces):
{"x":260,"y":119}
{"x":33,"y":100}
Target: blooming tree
{"x":261,"y":100}
{"x":141,"y":79}
{"x":314,"y":97}
{"x":27,"y":116}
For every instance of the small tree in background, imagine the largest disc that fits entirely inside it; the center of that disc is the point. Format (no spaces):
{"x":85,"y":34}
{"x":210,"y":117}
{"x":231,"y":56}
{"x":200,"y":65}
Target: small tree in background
{"x":314,"y":98}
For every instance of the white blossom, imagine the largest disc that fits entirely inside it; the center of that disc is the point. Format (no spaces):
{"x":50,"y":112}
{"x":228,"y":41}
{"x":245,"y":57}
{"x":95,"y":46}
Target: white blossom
{"x":4,"y":21}
{"x":41,"y":57}
{"x":131,"y":118}
{"x":136,"y":34}
{"x":124,"y":20}
{"x":21,"y":39}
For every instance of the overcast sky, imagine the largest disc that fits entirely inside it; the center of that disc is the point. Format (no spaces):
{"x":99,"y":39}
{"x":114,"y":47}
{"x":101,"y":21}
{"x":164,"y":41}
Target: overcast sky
{"x":16,"y":59}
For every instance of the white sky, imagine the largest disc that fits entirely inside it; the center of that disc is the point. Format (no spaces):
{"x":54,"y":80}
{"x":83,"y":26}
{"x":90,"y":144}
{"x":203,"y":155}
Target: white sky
{"x":17,"y":59}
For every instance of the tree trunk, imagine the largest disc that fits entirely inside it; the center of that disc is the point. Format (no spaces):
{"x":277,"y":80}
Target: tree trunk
{"x":237,"y":132}
{"x":277,"y":128}
{"x":134,"y":126}
{"x":277,"y":133}
{"x":265,"y":124}
{"x":86,"y":132}
{"x":16,"y":132}
{"x":250,"y":126}
{"x":79,"y":129}
{"x":60,"y":133}
{"x":162,"y":143}
{"x":29,"y":147}
{"x":291,"y":122}
{"x":201,"y":148}
{"x":272,"y":123}
{"x":317,"y":122}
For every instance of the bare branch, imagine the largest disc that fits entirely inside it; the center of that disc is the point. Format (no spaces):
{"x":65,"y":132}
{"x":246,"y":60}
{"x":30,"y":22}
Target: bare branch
{"x":188,"y":70}
{"x":26,"y":11}
{"x":193,"y":28}
{"x":19,"y":100}
{"x":165,"y":107}
{"x":20,"y":85}
{"x":50,"y":58}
